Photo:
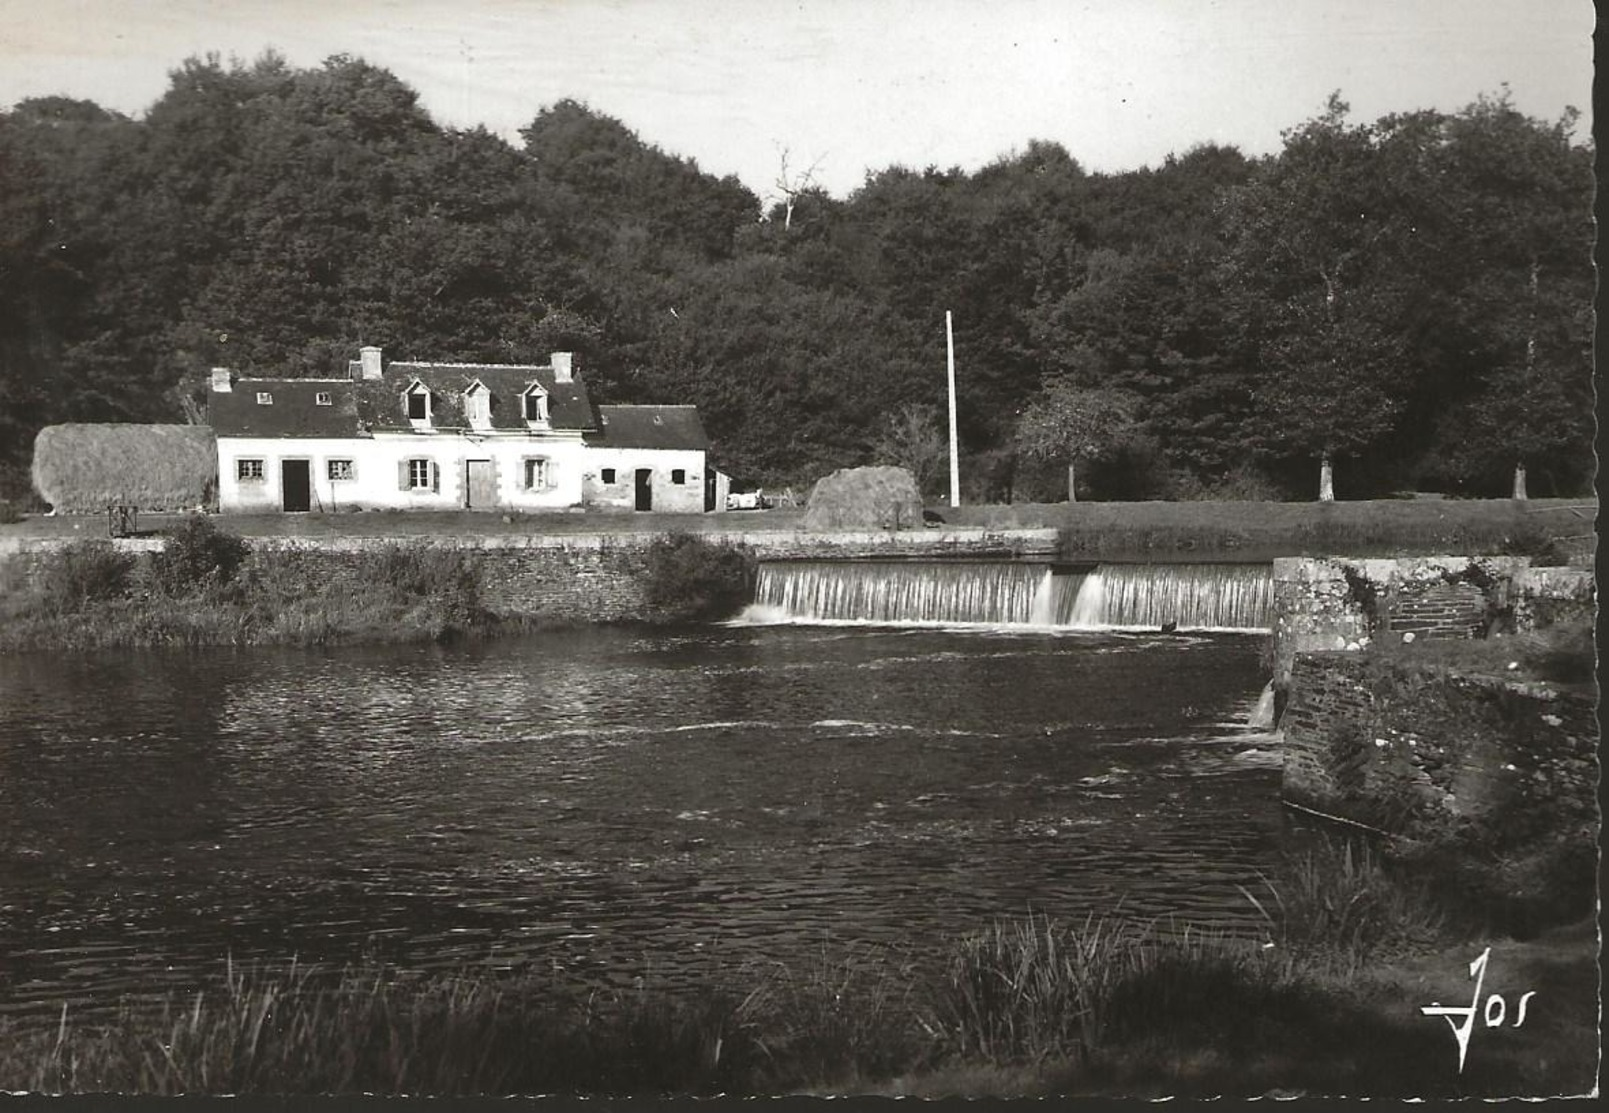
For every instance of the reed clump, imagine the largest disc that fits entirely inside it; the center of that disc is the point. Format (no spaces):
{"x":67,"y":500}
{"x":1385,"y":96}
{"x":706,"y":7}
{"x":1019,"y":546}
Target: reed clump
{"x":1336,"y":904}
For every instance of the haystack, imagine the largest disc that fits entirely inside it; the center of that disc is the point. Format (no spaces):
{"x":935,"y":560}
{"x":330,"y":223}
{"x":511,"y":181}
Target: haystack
{"x":865,"y":498}
{"x":82,"y":469}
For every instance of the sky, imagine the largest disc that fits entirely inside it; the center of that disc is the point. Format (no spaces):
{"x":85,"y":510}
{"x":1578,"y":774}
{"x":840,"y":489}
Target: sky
{"x":840,"y":87}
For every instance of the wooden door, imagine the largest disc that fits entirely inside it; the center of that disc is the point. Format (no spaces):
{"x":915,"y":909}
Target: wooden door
{"x":480,"y":490}
{"x":645,"y":489}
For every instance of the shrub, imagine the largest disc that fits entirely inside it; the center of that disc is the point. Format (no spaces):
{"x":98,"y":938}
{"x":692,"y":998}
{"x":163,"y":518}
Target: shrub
{"x":10,"y":512}
{"x":198,"y":555}
{"x":691,"y":579}
{"x":84,"y":572}
{"x":441,"y":584}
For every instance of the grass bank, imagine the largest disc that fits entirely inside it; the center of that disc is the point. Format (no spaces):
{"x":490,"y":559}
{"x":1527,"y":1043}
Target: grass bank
{"x":1327,"y":1003}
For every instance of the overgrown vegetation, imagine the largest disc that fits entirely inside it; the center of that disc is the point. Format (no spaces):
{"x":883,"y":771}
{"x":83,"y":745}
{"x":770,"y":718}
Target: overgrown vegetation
{"x":197,"y":558}
{"x":690,"y":578}
{"x":1335,"y":902}
{"x":1027,"y":1006}
{"x":83,"y":573}
{"x":208,"y":587}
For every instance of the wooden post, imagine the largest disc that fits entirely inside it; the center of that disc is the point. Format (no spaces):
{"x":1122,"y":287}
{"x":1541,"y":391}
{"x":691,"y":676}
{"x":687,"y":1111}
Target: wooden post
{"x":955,"y":462}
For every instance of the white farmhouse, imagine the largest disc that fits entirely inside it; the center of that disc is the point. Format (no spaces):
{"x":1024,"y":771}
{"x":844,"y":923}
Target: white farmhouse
{"x":448,"y":436}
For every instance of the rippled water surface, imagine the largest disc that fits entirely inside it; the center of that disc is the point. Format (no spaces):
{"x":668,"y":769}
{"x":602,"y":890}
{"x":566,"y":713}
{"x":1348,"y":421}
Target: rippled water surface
{"x":609,"y":804}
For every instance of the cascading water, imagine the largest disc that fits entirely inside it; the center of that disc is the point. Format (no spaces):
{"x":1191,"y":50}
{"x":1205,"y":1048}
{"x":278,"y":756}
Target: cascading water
{"x":1189,"y":596}
{"x":1199,"y":596}
{"x":902,"y":591}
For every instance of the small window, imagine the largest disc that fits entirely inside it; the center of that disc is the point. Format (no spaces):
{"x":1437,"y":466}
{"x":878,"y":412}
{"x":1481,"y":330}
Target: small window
{"x":249,"y":469}
{"x":322,"y":398}
{"x":608,"y":475}
{"x":536,"y":406}
{"x":678,"y":475}
{"x":538,"y":475}
{"x":419,"y":405}
{"x":419,"y":474}
{"x":264,"y":398}
{"x":342,"y":469}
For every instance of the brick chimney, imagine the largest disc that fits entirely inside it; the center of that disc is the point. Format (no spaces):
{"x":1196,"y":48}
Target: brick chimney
{"x":563,"y":371}
{"x":223,"y":380}
{"x":369,"y":357}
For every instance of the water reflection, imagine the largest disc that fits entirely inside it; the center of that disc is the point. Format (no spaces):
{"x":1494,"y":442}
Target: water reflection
{"x":603,"y":803}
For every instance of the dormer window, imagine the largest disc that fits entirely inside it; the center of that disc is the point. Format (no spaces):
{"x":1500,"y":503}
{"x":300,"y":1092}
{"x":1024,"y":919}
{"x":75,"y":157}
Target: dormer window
{"x":264,"y":398}
{"x":417,"y":401}
{"x":478,"y":406}
{"x":322,"y":398}
{"x":535,"y":403}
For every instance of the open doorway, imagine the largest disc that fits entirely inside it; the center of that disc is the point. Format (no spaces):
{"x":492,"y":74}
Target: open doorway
{"x":296,"y":485}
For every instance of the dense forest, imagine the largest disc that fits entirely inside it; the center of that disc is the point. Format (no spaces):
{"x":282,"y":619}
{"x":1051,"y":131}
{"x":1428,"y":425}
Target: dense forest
{"x":1408,"y":300}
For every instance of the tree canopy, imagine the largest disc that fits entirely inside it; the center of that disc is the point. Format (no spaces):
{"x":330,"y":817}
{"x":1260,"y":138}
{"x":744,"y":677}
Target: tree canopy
{"x":1409,"y":297}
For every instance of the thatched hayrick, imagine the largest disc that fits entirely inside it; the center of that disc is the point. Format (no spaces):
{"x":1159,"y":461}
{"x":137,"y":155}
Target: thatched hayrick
{"x":865,"y":498}
{"x":83,"y":469}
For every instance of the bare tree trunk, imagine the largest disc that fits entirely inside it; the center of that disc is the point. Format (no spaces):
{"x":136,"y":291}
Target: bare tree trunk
{"x":1326,"y":479}
{"x":1519,"y":480}
{"x":1072,"y":489}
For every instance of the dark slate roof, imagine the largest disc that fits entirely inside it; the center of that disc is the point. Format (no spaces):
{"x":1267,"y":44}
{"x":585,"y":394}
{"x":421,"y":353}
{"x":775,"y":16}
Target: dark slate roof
{"x":359,"y":406}
{"x":380,"y":400}
{"x":649,"y":427}
{"x":294,"y":412}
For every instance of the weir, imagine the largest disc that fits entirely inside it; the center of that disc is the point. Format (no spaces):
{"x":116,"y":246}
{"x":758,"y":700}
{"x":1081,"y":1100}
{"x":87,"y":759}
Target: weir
{"x":1189,"y":596}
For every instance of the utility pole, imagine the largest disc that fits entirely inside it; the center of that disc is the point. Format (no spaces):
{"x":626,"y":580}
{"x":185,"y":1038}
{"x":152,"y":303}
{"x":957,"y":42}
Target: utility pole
{"x":955,"y":462}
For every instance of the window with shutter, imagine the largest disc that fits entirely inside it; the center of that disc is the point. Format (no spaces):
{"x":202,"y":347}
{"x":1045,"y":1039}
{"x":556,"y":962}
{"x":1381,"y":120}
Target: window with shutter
{"x":419,"y":474}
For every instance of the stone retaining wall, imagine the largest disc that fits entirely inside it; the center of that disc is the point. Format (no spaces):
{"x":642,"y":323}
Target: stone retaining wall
{"x":586,"y":577}
{"x":1332,"y":603}
{"x":1429,"y":756}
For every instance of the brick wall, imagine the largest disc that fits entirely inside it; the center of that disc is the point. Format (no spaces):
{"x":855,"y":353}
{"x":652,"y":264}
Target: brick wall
{"x":1437,"y":609}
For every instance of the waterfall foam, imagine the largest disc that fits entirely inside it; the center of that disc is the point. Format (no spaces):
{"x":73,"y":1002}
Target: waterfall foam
{"x":1121,"y":596}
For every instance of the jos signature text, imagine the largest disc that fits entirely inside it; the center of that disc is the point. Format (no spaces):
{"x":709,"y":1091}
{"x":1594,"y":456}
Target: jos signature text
{"x":1462,"y":1019}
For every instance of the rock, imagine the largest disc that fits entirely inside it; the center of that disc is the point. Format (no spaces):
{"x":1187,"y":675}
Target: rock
{"x":865,"y":499}
{"x":1408,"y":637}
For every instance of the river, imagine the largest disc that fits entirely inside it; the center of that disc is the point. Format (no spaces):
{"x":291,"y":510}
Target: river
{"x":609,"y":804}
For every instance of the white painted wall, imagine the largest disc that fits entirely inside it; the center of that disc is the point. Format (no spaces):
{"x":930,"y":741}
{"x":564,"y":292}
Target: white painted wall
{"x":377,"y":462}
{"x":686,"y":497}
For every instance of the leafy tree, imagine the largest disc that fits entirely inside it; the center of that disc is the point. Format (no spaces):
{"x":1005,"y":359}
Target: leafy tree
{"x":1072,"y":424}
{"x":1320,"y":264}
{"x":1522,"y":193}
